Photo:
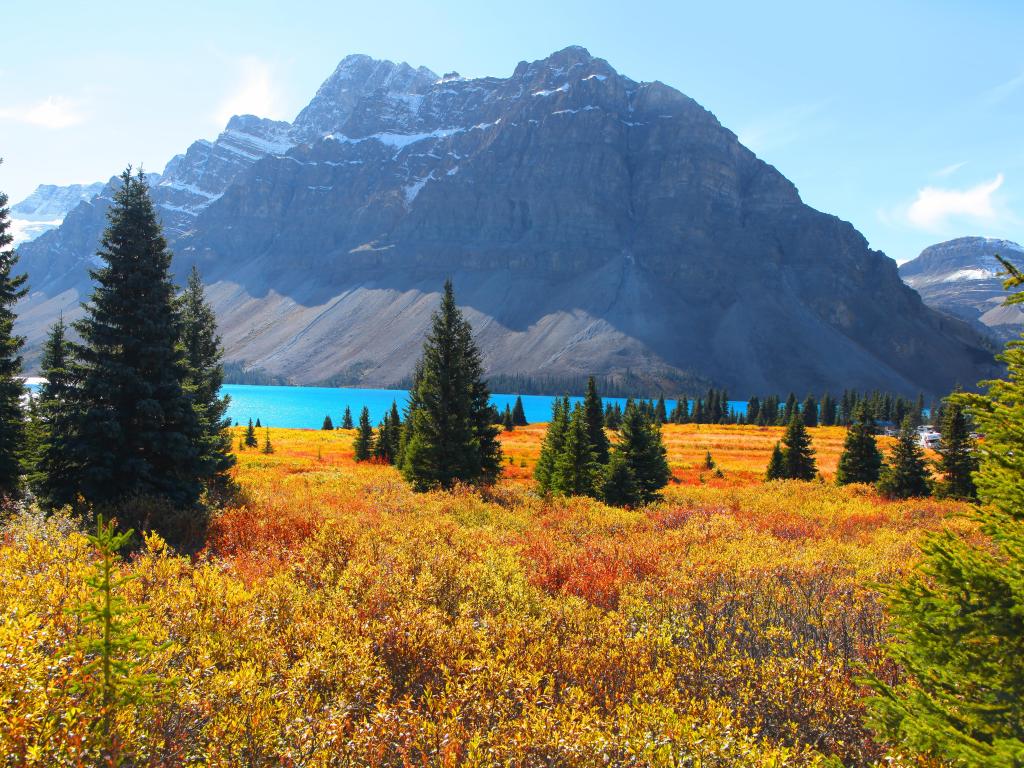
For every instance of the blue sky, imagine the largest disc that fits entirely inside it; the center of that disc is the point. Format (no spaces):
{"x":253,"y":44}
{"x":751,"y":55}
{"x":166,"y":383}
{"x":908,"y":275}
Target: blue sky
{"x":904,"y":118}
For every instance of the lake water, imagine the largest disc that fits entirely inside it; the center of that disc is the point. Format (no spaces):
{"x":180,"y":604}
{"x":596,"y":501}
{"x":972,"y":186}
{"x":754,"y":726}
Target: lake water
{"x":305,"y":407}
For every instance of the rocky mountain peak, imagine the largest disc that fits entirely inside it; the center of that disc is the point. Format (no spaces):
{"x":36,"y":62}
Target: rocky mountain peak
{"x":357,"y":78}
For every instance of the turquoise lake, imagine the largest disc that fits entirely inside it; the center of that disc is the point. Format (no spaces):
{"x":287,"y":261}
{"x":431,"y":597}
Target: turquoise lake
{"x":305,"y":407}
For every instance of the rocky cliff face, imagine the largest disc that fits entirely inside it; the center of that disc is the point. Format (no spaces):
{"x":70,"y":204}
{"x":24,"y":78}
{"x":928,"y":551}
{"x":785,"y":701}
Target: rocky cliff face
{"x":961,"y":277}
{"x":591,"y":224}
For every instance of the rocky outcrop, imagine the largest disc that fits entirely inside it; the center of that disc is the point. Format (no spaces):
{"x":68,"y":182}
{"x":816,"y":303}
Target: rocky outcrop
{"x":962,"y":278}
{"x":591,"y":223}
{"x":46,"y":208}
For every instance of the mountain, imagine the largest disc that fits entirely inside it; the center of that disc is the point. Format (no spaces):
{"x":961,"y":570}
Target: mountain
{"x":46,"y":208}
{"x":591,"y":224}
{"x":961,"y":277}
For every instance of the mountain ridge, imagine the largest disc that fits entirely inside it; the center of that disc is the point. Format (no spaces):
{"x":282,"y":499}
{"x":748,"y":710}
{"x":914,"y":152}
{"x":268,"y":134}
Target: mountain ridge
{"x":592,"y":224}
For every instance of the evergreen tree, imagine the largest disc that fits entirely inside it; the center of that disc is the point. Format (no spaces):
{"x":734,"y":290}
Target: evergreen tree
{"x":136,"y":433}
{"x":776,"y":465}
{"x":507,"y":421}
{"x":828,"y":411}
{"x":451,"y":436}
{"x":791,"y":407}
{"x":957,"y":452}
{"x":203,"y":381}
{"x":810,"y":412}
{"x":551,"y":448}
{"x":754,"y":410}
{"x":258,"y":425}
{"x":12,"y":423}
{"x":363,"y":444}
{"x":798,"y":456}
{"x":250,"y":435}
{"x":619,"y":486}
{"x":659,"y":410}
{"x":576,"y":469}
{"x":52,"y":479}
{"x":709,"y":463}
{"x":328,"y":424}
{"x":861,"y":461}
{"x":958,"y":622}
{"x":641,"y":446}
{"x":346,"y":420}
{"x":907,"y":474}
{"x":385,"y":443}
{"x":519,"y":414}
{"x":267,"y":447}
{"x":595,"y":423}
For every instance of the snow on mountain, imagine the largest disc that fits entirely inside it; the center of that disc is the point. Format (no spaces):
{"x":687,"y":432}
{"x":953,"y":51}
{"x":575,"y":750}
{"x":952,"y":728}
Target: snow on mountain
{"x":46,"y":208}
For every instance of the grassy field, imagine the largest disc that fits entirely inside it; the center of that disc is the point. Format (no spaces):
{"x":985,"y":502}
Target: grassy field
{"x":336,"y":618}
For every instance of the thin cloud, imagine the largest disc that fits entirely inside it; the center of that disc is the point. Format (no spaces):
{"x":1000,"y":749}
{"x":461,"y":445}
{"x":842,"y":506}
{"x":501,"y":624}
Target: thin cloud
{"x":1003,"y":91}
{"x":53,"y":112}
{"x":950,"y":169}
{"x":254,"y":93}
{"x":781,"y":128}
{"x":935,"y":207}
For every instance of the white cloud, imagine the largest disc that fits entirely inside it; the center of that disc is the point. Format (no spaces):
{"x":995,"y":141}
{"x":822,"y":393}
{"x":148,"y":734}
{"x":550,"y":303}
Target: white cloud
{"x":1003,"y":91}
{"x":950,"y":169}
{"x":783,"y":127}
{"x":934,"y":207}
{"x":254,"y":93}
{"x":52,"y":112}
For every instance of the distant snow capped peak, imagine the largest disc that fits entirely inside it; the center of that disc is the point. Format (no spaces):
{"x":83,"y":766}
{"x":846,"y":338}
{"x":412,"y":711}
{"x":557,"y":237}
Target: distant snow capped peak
{"x":46,"y":208}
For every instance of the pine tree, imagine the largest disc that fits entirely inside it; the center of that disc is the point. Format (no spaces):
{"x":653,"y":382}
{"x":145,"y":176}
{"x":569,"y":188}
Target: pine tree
{"x":519,"y":413}
{"x":258,"y":425}
{"x":797,"y":453}
{"x":576,"y":469}
{"x":753,"y":410}
{"x":709,"y":463}
{"x":250,"y":436}
{"x":957,"y":453}
{"x":861,"y":461}
{"x":551,"y":448}
{"x":451,"y":435}
{"x":791,"y":407}
{"x":641,"y":446}
{"x":958,"y":622}
{"x":203,"y":382}
{"x":346,"y":420}
{"x":328,"y":424}
{"x":267,"y":447}
{"x":12,"y":423}
{"x":595,"y":423}
{"x":810,"y":412}
{"x":776,"y":465}
{"x":136,"y":433}
{"x":659,"y":410}
{"x":618,"y":484}
{"x":507,"y":422}
{"x":52,"y":480}
{"x":907,"y":474}
{"x":828,"y":411}
{"x":363,"y":444}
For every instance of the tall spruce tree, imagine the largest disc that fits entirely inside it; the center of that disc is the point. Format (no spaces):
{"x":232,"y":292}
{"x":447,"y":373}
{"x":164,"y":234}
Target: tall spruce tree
{"x":137,"y":434}
{"x":451,"y":434}
{"x":519,"y":413}
{"x":906,"y":476}
{"x":346,"y":419}
{"x":53,"y":480}
{"x":12,"y":420}
{"x":798,"y":456}
{"x":551,"y":448}
{"x":576,"y":469}
{"x":810,"y":412}
{"x":593,"y":411}
{"x":203,"y":382}
{"x":328,"y":424}
{"x":641,"y":447}
{"x":958,"y":622}
{"x":250,"y":435}
{"x":861,"y":461}
{"x":363,"y":444}
{"x":958,"y":458}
